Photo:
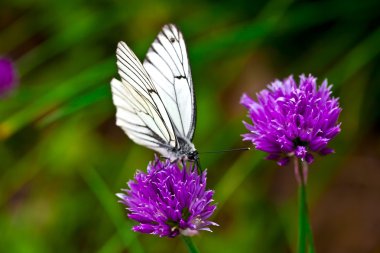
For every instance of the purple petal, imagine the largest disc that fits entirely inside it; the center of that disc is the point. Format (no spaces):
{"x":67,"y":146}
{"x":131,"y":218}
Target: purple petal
{"x":290,"y":118}
{"x":169,"y":198}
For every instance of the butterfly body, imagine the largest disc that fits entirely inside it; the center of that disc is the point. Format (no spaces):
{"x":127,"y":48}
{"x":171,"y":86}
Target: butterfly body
{"x":155,"y":102}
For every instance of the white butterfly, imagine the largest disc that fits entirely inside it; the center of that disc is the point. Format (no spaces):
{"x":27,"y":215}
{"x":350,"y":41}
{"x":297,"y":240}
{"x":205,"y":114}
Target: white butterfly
{"x":155,"y":102}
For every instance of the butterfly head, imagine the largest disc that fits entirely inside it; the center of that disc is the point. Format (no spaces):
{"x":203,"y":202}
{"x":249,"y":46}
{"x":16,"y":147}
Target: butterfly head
{"x":193,"y":155}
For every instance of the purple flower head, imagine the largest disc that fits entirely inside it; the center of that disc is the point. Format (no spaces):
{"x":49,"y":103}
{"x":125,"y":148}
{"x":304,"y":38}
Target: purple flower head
{"x":169,"y":200}
{"x":8,"y":76}
{"x":293,"y":120}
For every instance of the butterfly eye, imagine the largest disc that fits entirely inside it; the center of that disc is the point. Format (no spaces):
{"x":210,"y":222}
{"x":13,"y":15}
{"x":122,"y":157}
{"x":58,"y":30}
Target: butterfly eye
{"x":172,"y":40}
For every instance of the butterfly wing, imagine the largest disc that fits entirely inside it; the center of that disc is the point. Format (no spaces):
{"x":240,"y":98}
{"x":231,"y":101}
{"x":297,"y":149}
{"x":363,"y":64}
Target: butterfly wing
{"x":168,"y":66}
{"x":140,"y":111}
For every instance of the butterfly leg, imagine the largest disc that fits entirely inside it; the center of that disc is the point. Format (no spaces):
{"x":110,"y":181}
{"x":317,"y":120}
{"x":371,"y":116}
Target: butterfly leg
{"x":199,"y":168}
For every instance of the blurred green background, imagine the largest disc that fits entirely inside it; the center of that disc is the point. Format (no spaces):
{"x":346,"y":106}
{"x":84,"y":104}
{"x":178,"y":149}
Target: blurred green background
{"x":62,"y":159}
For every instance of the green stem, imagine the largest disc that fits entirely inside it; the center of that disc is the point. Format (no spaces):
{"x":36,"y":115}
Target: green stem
{"x":310,"y":237}
{"x":306,"y":216}
{"x":189,"y":244}
{"x":305,"y":234}
{"x":301,"y":208}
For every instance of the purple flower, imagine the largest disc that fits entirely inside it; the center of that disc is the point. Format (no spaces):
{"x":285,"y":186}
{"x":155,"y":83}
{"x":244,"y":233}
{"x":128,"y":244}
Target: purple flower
{"x":293,"y":120}
{"x":8,"y":77}
{"x":169,"y":200}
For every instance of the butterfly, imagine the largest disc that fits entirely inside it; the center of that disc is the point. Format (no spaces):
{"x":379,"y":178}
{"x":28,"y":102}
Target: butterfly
{"x":154,"y":100}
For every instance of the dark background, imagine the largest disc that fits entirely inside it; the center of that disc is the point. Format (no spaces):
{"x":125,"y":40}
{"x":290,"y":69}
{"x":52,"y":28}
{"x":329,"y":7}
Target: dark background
{"x":62,"y":159}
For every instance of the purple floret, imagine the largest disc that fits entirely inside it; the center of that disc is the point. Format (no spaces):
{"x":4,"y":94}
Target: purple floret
{"x":293,"y":120}
{"x":169,"y":200}
{"x":8,"y":76}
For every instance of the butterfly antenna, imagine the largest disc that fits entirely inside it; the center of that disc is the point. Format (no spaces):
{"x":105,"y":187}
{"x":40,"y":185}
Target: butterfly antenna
{"x":227,"y":150}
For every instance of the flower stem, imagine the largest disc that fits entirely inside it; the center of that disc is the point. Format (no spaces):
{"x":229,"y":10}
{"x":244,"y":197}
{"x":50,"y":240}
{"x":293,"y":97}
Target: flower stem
{"x":301,"y":208}
{"x":306,"y":216}
{"x":189,"y":244}
{"x":305,"y":234}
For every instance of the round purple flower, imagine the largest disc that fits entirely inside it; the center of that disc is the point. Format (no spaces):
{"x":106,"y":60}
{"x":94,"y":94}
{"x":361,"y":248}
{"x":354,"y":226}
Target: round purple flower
{"x":293,"y":120}
{"x":169,"y":200}
{"x":8,"y":76}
